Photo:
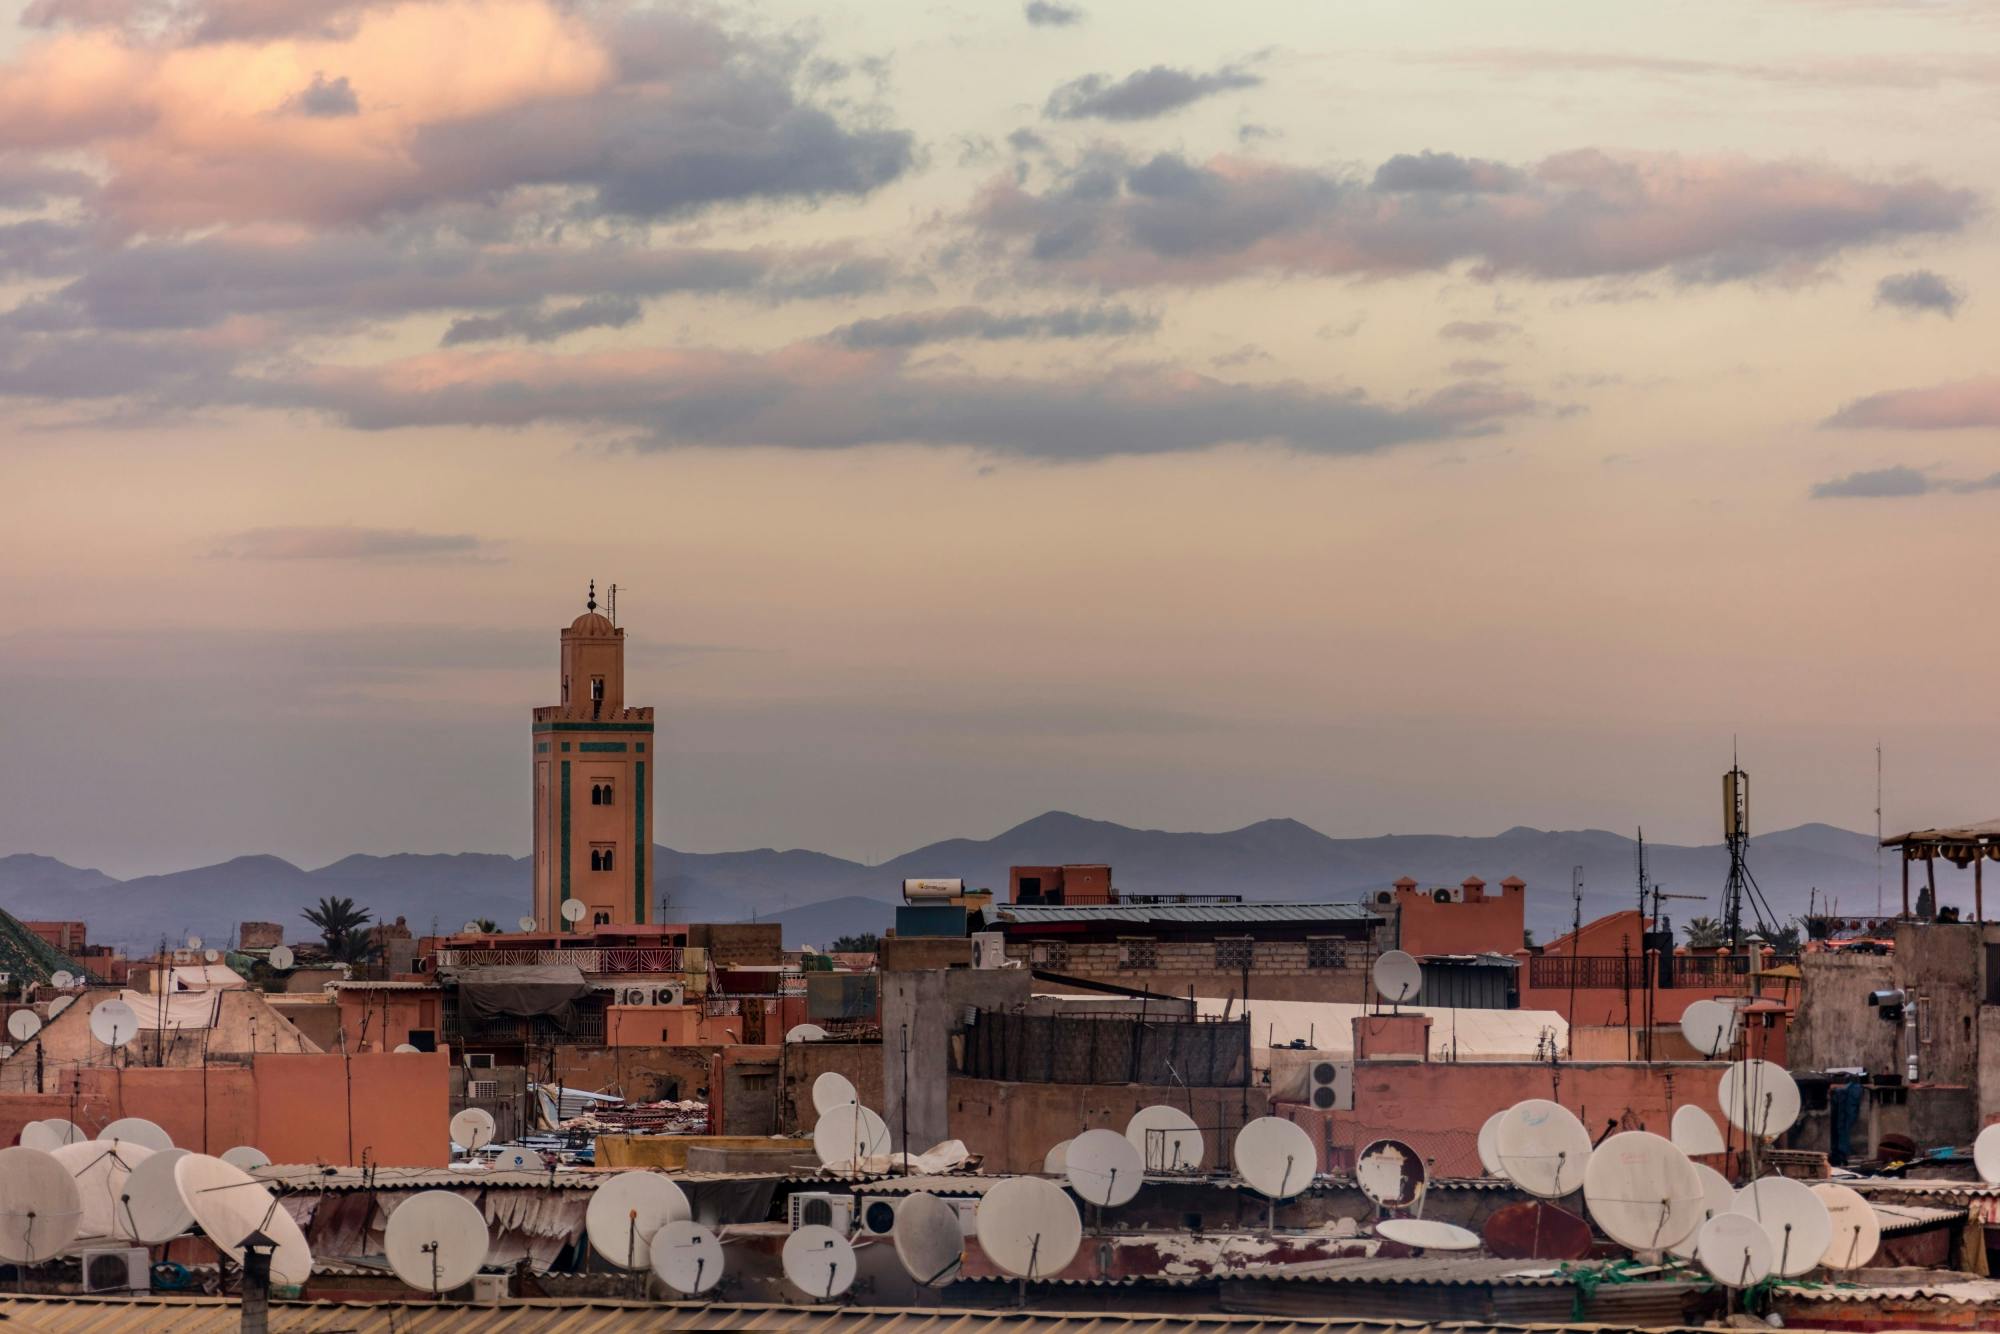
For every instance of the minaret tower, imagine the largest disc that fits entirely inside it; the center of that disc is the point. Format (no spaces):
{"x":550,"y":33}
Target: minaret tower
{"x":593,"y":797}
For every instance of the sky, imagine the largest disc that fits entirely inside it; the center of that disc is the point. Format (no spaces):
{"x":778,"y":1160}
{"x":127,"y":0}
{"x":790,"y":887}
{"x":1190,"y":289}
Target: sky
{"x":1401,"y":417}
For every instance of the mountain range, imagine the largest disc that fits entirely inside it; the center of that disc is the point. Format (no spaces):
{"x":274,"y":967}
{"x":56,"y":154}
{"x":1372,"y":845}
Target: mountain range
{"x":817,"y":896}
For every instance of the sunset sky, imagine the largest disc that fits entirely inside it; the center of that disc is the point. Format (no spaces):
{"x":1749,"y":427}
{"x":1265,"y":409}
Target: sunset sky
{"x":1404,"y":417}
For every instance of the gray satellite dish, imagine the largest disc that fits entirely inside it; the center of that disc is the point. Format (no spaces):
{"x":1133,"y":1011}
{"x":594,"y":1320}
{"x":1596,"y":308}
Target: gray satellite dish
{"x":1166,"y":1138}
{"x":436,"y":1240}
{"x":40,"y":1209}
{"x":1759,"y":1097}
{"x":114,"y":1023}
{"x":1734,"y":1250}
{"x":137,"y":1130}
{"x":1709,"y":1027}
{"x":929,"y":1240}
{"x":247,"y":1157}
{"x":1986,"y":1154}
{"x":1398,"y":977}
{"x":1857,"y":1232}
{"x":573,"y":910}
{"x":62,"y":979}
{"x":1543,"y":1148}
{"x":1054,"y":1160}
{"x":52,"y":1133}
{"x":59,"y":1004}
{"x":1391,"y":1173}
{"x":525,"y":922}
{"x":472,"y":1129}
{"x":1276,"y":1157}
{"x":211,"y":956}
{"x":846,"y":1136}
{"x":1798,"y":1221}
{"x":1104,"y":1168}
{"x":818,"y":1261}
{"x":151,"y":1210}
{"x":405,"y":1049}
{"x":1427,"y":1234}
{"x":194,"y":942}
{"x":1718,"y":1197}
{"x":281,"y":957}
{"x":1643,"y":1191}
{"x":23,"y":1024}
{"x":805,"y":1033}
{"x":833,"y":1089}
{"x":1029,"y":1227}
{"x":687,"y":1257}
{"x":471,"y":928}
{"x":100,"y":1171}
{"x":231,"y":1206}
{"x":6,"y":1050}
{"x":519,"y":1160}
{"x":627,"y":1210}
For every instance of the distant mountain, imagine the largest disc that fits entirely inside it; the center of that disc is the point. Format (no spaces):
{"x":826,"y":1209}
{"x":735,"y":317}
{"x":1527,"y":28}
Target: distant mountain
{"x":818,"y":897}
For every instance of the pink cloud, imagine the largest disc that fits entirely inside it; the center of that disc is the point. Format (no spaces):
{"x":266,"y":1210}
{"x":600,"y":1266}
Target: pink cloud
{"x":1941,"y":407}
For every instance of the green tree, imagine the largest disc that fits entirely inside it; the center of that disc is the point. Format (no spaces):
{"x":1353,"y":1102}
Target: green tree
{"x":1703,"y":933}
{"x":487,"y":925}
{"x":342,"y":926}
{"x":860,"y":943}
{"x":1783,"y":939}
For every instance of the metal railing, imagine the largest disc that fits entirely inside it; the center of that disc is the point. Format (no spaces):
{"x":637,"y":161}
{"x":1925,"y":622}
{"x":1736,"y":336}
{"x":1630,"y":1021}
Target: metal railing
{"x":585,"y":1030}
{"x":1614,"y":972}
{"x":620,"y":960}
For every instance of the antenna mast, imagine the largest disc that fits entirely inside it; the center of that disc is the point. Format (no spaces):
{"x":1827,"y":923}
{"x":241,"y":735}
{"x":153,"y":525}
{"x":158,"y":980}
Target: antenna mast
{"x":1878,"y":828}
{"x":1741,"y":886}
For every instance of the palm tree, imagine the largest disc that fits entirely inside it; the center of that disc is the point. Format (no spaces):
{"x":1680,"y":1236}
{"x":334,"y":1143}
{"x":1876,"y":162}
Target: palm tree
{"x":487,"y":926}
{"x":342,"y":926}
{"x":1703,"y":933}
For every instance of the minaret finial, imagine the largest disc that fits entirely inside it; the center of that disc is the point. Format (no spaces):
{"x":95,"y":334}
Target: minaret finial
{"x":591,"y":605}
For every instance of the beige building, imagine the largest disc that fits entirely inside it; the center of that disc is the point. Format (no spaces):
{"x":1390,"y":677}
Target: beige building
{"x":593,"y":796}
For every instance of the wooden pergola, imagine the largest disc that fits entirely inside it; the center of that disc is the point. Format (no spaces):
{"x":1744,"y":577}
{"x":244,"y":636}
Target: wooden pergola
{"x":1968,"y":845}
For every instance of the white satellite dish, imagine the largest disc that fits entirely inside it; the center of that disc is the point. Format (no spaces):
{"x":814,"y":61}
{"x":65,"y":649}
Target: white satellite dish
{"x":573,"y":910}
{"x":1717,"y":1197}
{"x":114,"y":1023}
{"x":1029,"y":1227}
{"x":1104,"y":1168}
{"x":151,"y":1210}
{"x":818,"y":1261}
{"x":436,"y":1240}
{"x":211,"y":956}
{"x":687,"y":1257}
{"x":470,"y":929}
{"x":1643,"y":1191}
{"x":1398,"y":977}
{"x":805,"y":1033}
{"x":847,"y":1135}
{"x":1276,"y":1157}
{"x":405,"y":1049}
{"x":1759,"y":1098}
{"x":194,"y":942}
{"x":1428,"y":1234}
{"x":1709,"y":1027}
{"x":23,"y":1024}
{"x":1986,"y":1154}
{"x":6,"y":1050}
{"x":230,"y":1205}
{"x":1489,"y":1149}
{"x":59,"y":1004}
{"x":1800,"y":1227}
{"x":1057,"y":1158}
{"x":52,"y":1134}
{"x":281,"y":957}
{"x":1695,"y":1131}
{"x":137,"y":1130}
{"x":1857,"y":1232}
{"x":40,"y":1209}
{"x":472,"y":1129}
{"x":1167,"y":1139}
{"x":1542,"y":1147}
{"x":526,"y":922}
{"x":627,"y":1210}
{"x":519,"y":1160}
{"x":1734,"y":1250}
{"x":101,"y":1171}
{"x":929,"y":1240}
{"x":247,"y":1157}
{"x":833,"y":1089}
{"x":1392,"y":1174}
{"x":62,"y":979}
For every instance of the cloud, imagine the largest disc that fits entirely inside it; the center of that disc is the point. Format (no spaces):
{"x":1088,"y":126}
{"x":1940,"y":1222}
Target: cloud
{"x":1919,"y":290}
{"x":1476,"y":367}
{"x":1479,"y":331}
{"x":1047,"y":14}
{"x":1942,"y":407}
{"x":1871,"y":71}
{"x":539,"y":326}
{"x":340,"y":542}
{"x":31,"y":185}
{"x":324,"y":99}
{"x":1899,"y":481}
{"x":1141,"y":95}
{"x":972,"y":322}
{"x":1113,"y":220}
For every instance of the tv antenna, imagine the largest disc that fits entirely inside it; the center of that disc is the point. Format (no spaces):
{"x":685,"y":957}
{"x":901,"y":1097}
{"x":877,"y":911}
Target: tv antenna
{"x":1741,"y":886}
{"x":611,"y":603}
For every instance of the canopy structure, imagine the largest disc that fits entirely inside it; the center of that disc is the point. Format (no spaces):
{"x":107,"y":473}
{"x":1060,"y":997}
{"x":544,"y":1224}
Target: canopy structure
{"x":1966,"y":845}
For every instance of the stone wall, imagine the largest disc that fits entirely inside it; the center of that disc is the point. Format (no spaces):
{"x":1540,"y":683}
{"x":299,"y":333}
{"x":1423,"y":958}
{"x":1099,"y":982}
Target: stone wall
{"x":1333,"y":969}
{"x":1835,"y":1027}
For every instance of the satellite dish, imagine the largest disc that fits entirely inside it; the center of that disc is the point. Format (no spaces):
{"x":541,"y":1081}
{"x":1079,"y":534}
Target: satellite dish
{"x":230,"y":1205}
{"x":687,"y":1257}
{"x":832,"y":1090}
{"x":436,"y":1240}
{"x":470,"y":929}
{"x":62,"y":979}
{"x":405,"y":1049}
{"x":818,"y":1261}
{"x":151,"y":1211}
{"x":1543,"y":1148}
{"x":805,"y":1033}
{"x":137,"y":1130}
{"x":1167,"y":1139}
{"x":1029,"y":1227}
{"x":281,"y":957}
{"x":1797,"y":1220}
{"x":1857,"y":1232}
{"x":1734,"y":1250}
{"x":247,"y":1157}
{"x":1056,"y":1159}
{"x":1695,"y":1131}
{"x":114,"y":1023}
{"x":627,"y":1210}
{"x":573,"y":910}
{"x":1427,"y":1234}
{"x":1718,"y":1197}
{"x":1398,"y":977}
{"x":1643,"y":1191}
{"x":929,"y":1240}
{"x":519,"y":1160}
{"x":101,"y":1171}
{"x":1536,"y":1230}
{"x":6,"y":1050}
{"x":40,"y":1209}
{"x":1104,"y":1168}
{"x":1986,"y":1154}
{"x":526,"y":922}
{"x":59,"y":1004}
{"x":52,"y":1134}
{"x":472,"y":1129}
{"x":1390,"y":1173}
{"x":1709,"y":1027}
{"x":1759,"y":1098}
{"x":194,"y":942}
{"x":847,"y":1135}
{"x":1489,"y":1150}
{"x":211,"y":956}
{"x":1276,"y":1157}
{"x":23,"y":1024}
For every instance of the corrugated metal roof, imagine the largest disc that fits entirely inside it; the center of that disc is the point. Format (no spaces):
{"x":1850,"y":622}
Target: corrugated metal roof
{"x":1957,"y":1289}
{"x":364,"y":984}
{"x":305,"y":1179}
{"x":1900,"y":1218}
{"x":1216,"y":914}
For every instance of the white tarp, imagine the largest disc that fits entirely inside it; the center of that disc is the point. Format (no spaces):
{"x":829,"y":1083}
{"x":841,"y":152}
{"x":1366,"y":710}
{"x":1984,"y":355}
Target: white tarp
{"x":1327,"y":1027}
{"x":184,"y":1009}
{"x":207,"y":977}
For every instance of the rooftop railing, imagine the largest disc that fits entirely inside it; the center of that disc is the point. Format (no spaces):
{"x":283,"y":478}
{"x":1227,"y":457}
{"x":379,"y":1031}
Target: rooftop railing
{"x":619,"y":960}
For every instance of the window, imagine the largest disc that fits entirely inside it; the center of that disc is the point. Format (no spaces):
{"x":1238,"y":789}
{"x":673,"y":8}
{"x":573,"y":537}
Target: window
{"x":1138,"y":952}
{"x":1031,"y":889}
{"x":1054,"y":954}
{"x":600,"y":795}
{"x":601,"y":857}
{"x":565,"y":690}
{"x":602,"y":919}
{"x":1326,"y":952}
{"x":596,"y":690}
{"x":1233,"y":953}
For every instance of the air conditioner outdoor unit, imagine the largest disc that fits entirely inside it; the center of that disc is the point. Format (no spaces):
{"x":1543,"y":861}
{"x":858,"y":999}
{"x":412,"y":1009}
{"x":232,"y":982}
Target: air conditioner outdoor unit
{"x":878,"y":1215}
{"x":479,"y":1060}
{"x":489,"y":1289}
{"x":1331,"y":1087}
{"x":989,"y":949}
{"x":668,"y":995}
{"x":968,"y":1216}
{"x":827,"y":1208}
{"x":128,"y":1269}
{"x":1384,"y":897}
{"x":635,"y":995}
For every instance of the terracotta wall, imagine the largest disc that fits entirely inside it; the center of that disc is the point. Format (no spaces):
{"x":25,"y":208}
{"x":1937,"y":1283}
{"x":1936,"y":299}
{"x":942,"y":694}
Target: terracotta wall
{"x":646,"y":1073}
{"x":379,"y":1020}
{"x":1015,"y":1125}
{"x":1490,"y":923}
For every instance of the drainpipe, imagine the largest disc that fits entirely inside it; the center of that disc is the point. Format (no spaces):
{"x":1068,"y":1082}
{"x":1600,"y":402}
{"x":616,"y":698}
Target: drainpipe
{"x":1910,"y":1039}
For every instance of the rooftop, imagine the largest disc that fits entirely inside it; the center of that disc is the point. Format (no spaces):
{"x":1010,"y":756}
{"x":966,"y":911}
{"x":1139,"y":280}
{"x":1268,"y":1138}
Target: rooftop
{"x":1207,"y":914}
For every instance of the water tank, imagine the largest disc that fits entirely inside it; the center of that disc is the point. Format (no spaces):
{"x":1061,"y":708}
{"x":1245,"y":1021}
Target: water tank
{"x":922,"y":891}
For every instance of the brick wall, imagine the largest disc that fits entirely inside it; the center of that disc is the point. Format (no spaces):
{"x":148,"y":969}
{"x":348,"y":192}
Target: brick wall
{"x":1333,"y":970}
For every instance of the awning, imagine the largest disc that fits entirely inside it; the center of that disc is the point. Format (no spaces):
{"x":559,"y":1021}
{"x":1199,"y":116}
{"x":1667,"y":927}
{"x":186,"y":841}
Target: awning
{"x":521,"y":991}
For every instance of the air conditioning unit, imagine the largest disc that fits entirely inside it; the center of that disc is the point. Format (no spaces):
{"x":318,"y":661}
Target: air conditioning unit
{"x":989,"y":949}
{"x":825,"y":1207}
{"x":878,"y":1215}
{"x":668,"y":995}
{"x":128,"y":1269}
{"x":489,"y":1289}
{"x":1384,"y":897}
{"x":482,"y":1090}
{"x":1331,"y":1086}
{"x":479,"y":1060}
{"x":968,"y":1216}
{"x":635,"y":996}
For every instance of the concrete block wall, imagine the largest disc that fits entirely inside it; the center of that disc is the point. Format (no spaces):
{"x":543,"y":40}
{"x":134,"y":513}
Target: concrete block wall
{"x":1279,"y":969}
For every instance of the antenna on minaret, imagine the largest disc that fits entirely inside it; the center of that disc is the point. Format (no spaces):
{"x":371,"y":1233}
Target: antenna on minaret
{"x":611,"y":603}
{"x":591,"y":603}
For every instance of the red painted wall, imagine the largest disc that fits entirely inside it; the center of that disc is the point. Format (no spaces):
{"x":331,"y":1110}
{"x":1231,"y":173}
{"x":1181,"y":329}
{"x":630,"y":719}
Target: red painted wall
{"x":1488,"y":922}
